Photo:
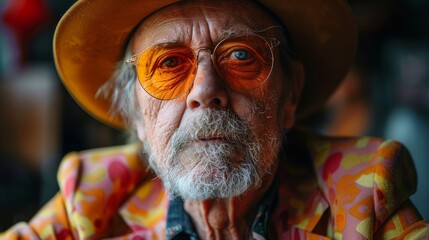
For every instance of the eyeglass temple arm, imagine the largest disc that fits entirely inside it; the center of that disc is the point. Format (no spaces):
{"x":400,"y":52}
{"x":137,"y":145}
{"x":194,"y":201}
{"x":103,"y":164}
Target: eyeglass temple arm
{"x":273,"y":42}
{"x":132,"y":59}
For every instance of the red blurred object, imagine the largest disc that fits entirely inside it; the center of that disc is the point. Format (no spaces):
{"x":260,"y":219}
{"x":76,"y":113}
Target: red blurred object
{"x":24,"y":18}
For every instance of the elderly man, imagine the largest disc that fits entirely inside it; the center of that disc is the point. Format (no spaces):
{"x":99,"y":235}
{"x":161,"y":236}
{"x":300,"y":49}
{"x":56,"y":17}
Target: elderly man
{"x":212,"y":91}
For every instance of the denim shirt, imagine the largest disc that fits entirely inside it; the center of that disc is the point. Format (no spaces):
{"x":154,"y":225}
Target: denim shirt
{"x":179,"y":224}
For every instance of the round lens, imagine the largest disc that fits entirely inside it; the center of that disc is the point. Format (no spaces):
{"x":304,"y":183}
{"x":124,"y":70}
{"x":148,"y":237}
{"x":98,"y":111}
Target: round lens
{"x":244,"y":62}
{"x":166,"y":71}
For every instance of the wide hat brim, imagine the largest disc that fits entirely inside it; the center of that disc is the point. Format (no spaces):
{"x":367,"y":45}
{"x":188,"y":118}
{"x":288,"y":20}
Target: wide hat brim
{"x":91,"y":37}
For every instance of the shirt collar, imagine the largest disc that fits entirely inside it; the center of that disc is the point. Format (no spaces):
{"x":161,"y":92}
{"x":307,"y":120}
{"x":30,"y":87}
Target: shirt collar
{"x":179,"y":224}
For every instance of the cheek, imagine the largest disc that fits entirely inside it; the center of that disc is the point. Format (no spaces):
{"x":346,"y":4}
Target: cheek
{"x":282,"y":107}
{"x":265,"y":105}
{"x":260,"y":111}
{"x":159,"y":119}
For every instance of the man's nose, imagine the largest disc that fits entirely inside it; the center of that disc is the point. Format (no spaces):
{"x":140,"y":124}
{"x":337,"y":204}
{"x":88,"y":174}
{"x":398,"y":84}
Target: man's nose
{"x":208,"y":90}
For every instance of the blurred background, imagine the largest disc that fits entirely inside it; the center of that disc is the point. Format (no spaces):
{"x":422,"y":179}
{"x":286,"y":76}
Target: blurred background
{"x":385,"y":94}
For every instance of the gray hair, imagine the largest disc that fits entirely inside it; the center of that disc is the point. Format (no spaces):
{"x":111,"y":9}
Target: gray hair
{"x":120,"y":90}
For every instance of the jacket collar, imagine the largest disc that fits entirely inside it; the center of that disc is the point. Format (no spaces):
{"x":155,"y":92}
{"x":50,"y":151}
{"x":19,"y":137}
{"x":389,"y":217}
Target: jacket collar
{"x":302,"y":200}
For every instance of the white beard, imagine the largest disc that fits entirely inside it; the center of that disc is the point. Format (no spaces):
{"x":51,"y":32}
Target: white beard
{"x":195,"y":169}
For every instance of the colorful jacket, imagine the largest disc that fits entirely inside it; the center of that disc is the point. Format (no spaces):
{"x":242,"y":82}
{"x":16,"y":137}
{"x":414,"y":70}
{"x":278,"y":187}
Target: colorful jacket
{"x":329,"y":188}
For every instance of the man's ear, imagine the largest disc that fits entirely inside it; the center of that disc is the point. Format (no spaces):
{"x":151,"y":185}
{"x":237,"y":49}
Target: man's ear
{"x":293,"y":89}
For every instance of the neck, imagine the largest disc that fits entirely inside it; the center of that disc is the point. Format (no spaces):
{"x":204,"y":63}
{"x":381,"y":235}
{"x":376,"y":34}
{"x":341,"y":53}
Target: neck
{"x":230,"y":218}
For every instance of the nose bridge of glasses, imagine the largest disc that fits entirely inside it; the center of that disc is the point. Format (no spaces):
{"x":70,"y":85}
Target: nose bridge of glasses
{"x":206,"y":61}
{"x":207,"y":50}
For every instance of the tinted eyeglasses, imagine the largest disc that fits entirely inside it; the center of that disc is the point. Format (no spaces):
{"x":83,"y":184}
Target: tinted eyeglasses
{"x":244,"y":62}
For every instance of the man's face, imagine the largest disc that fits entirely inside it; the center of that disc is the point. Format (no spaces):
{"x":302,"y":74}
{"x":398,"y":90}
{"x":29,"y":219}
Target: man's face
{"x":212,"y":141}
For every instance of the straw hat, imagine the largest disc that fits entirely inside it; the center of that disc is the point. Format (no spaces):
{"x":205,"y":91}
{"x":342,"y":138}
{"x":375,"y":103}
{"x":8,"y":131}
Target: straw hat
{"x":91,"y":37}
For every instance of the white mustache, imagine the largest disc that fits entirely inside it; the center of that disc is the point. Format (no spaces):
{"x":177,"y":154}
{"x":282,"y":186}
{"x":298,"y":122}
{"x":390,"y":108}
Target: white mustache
{"x":214,"y":124}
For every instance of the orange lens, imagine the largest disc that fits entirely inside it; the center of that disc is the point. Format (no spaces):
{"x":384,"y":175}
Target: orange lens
{"x":166,"y":71}
{"x":244,"y":62}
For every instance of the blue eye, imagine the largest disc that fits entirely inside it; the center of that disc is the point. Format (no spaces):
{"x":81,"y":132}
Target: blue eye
{"x":240,"y":54}
{"x":170,"y":62}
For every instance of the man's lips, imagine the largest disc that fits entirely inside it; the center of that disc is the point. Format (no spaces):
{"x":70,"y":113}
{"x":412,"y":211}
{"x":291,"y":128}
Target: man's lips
{"x":203,"y":140}
{"x":212,"y":138}
{"x":209,"y":139}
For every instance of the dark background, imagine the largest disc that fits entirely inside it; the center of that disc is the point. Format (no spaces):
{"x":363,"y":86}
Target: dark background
{"x":386,"y":94}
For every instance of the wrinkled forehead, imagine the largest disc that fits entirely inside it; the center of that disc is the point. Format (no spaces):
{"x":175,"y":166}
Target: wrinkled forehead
{"x":195,"y":21}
